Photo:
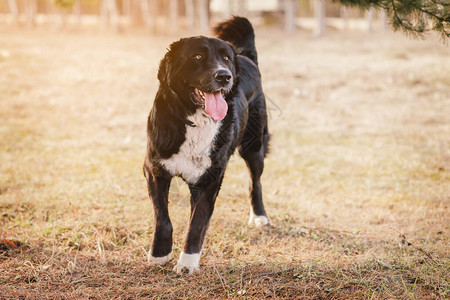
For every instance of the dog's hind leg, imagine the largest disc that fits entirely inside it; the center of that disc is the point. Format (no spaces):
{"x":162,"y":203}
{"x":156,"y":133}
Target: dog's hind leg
{"x":253,"y":149}
{"x":255,"y":163}
{"x":158,"y":189}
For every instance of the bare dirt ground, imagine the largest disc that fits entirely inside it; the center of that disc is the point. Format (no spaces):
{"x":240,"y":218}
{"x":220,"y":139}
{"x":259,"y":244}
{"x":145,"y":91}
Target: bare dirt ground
{"x":357,"y":184}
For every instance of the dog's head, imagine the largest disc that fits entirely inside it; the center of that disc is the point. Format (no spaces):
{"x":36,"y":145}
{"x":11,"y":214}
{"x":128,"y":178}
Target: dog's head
{"x":201,"y":71}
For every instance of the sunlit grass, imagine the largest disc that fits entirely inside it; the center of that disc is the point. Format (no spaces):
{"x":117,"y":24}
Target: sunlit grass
{"x":359,"y":154}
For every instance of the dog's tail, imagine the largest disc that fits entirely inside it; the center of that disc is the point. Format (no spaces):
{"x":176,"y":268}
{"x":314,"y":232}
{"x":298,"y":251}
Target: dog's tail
{"x":239,"y":32}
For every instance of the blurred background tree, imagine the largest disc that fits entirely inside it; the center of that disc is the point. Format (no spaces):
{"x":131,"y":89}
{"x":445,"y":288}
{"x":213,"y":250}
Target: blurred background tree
{"x":415,"y":17}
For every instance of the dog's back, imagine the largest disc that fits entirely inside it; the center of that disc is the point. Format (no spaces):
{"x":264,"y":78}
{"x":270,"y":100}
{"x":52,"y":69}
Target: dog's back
{"x":239,"y":32}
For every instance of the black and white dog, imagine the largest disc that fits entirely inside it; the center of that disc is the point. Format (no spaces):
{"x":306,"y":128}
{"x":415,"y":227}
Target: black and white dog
{"x":209,"y":102}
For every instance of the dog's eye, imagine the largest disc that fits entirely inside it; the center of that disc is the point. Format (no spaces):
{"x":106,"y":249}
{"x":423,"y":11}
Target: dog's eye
{"x":226,"y":57}
{"x":198,"y":56}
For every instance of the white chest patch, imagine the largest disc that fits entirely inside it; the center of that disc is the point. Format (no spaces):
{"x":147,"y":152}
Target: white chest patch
{"x":193,"y":159}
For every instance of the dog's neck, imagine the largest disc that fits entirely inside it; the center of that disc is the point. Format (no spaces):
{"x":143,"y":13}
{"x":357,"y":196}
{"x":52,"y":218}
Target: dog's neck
{"x":169,"y":101}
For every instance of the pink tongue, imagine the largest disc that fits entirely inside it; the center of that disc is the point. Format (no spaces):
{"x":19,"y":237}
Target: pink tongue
{"x":215,"y":106}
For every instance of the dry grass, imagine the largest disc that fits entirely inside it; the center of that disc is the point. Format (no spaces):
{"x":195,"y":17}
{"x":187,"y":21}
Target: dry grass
{"x":360,"y":156}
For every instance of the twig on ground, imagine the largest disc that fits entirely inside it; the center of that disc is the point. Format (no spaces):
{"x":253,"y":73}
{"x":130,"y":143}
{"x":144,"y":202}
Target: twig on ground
{"x":272,"y":273}
{"x":405,"y":242}
{"x":222,"y":280}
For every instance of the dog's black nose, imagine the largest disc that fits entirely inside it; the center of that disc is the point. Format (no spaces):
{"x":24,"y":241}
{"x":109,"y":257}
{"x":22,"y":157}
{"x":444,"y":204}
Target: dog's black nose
{"x":223,"y":76}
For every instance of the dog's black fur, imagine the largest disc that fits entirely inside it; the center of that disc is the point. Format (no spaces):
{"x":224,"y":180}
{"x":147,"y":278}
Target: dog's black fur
{"x":227,"y":64}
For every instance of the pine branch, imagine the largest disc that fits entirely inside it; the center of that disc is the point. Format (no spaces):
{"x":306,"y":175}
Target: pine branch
{"x":409,"y":15}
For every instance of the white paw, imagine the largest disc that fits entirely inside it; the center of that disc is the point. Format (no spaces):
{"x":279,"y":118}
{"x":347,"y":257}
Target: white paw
{"x":257,"y":221}
{"x":187,"y":264}
{"x":159,"y":261}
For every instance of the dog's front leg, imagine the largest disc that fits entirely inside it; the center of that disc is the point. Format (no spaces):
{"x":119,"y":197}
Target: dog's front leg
{"x":158,"y":189}
{"x":202,"y":206}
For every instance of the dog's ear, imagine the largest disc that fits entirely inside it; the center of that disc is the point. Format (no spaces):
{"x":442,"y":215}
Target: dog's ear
{"x":169,"y":63}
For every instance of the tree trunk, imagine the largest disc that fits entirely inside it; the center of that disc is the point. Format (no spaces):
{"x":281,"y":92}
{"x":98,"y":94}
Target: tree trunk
{"x":228,"y":13}
{"x":30,"y":9}
{"x":319,"y":13}
{"x":103,"y":14}
{"x":242,"y":8}
{"x":290,"y":13}
{"x":369,"y":16}
{"x":14,"y":8}
{"x":173,"y":16}
{"x":62,"y":11}
{"x":203,"y":15}
{"x":384,"y":21}
{"x":115,"y":17}
{"x":109,"y":14}
{"x":77,"y":11}
{"x":127,"y":11}
{"x":344,"y":16}
{"x":190,"y":16}
{"x":149,"y":14}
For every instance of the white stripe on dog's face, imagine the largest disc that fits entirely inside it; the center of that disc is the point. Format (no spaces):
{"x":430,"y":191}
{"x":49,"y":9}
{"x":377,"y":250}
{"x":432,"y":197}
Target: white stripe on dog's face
{"x":188,"y":263}
{"x":192,"y":159}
